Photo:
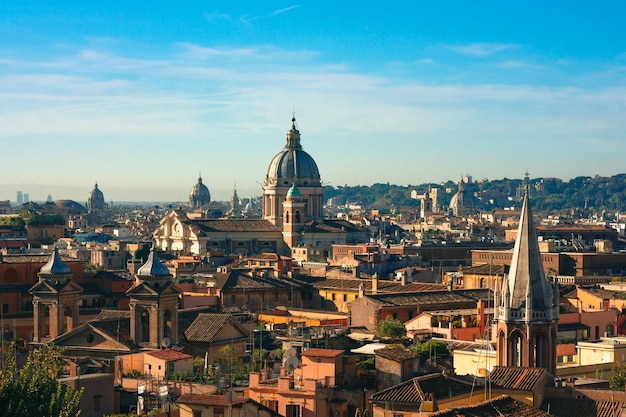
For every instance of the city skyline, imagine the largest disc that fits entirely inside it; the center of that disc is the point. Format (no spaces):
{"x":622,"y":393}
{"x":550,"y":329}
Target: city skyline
{"x":141,"y":98}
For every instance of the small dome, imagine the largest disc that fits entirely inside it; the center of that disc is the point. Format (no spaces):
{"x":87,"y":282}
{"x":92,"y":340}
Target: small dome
{"x":293,"y":192}
{"x":55,"y":266}
{"x":292,"y":164}
{"x":153,"y":266}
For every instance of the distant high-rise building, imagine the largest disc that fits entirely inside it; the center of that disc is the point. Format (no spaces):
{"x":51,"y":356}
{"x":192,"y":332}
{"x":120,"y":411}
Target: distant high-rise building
{"x":26,"y":198}
{"x":20,"y":198}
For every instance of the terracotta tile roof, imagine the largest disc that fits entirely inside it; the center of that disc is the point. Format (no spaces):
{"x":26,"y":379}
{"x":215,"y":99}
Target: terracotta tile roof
{"x":206,"y":326}
{"x":221,"y":401}
{"x":322,"y":353}
{"x":502,"y":406}
{"x":332,"y":226}
{"x":240,"y":279}
{"x":412,"y":391}
{"x":572,"y":407}
{"x":524,"y":379}
{"x":169,"y":355}
{"x":265,"y":256}
{"x":384,"y":286}
{"x":565,"y":349}
{"x":485,"y":269}
{"x":112,"y":314}
{"x":451,"y":298}
{"x":396,"y":353}
{"x":234,"y":225}
{"x":35,"y":259}
{"x":598,"y":292}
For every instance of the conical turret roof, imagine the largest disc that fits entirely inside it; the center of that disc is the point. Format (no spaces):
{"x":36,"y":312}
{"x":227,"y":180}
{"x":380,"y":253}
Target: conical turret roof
{"x":55,"y":266}
{"x":153,"y":266}
{"x":527,"y":281}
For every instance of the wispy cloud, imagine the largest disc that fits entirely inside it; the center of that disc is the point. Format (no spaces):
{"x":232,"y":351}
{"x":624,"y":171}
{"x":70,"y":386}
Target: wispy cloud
{"x":202,"y":94}
{"x":481,"y":50}
{"x":216,"y":17}
{"x":519,"y":64}
{"x":247,"y":19}
{"x":203,"y":52}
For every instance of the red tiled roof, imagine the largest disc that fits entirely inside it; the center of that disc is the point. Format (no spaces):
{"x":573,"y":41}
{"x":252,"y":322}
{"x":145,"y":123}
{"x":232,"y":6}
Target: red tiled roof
{"x":169,"y":355}
{"x":496,"y":407}
{"x":413,"y":390}
{"x":207,"y":325}
{"x":572,"y":407}
{"x":322,"y":353}
{"x":524,"y":379}
{"x":565,"y":349}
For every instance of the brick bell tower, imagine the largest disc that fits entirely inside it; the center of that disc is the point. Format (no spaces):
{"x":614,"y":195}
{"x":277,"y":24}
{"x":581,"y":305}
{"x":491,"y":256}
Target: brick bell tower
{"x":154,"y":305}
{"x":56,"y":300}
{"x":528,"y":305}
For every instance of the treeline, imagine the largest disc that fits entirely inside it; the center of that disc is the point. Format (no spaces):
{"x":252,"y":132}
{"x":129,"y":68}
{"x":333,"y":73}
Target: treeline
{"x":29,"y":218}
{"x":549,"y":194}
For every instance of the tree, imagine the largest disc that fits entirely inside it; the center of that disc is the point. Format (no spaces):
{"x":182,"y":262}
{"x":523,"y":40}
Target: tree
{"x":618,"y":379}
{"x":391,"y":328}
{"x":34,"y":390}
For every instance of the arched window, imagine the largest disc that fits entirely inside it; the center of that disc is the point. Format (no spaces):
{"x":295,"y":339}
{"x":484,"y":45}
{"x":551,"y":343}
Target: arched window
{"x":68,"y":319}
{"x":298,"y":216}
{"x":516,"y":343}
{"x":45,"y":327}
{"x":11,"y":276}
{"x":144,"y":335}
{"x":286,"y":217}
{"x":538,"y":350}
{"x":167,"y":323}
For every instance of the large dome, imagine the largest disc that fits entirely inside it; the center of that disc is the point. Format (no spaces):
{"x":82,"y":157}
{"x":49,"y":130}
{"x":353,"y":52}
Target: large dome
{"x":96,"y":199}
{"x":293,"y":165}
{"x":464,"y":202}
{"x":199,"y":195}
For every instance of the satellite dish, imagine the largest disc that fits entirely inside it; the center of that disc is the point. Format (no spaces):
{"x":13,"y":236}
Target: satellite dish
{"x":166,"y":342}
{"x":291,"y":364}
{"x":290,"y":353}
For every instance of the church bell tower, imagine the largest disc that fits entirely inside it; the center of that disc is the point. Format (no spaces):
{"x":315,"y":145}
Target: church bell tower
{"x":528,"y":305}
{"x":154,"y":305}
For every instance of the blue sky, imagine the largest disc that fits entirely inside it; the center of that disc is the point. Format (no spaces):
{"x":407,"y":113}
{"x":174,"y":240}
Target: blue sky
{"x":141,"y":97}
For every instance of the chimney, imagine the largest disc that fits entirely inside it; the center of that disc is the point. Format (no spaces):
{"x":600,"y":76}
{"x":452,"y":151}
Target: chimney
{"x":429,"y":405}
{"x":375,"y":284}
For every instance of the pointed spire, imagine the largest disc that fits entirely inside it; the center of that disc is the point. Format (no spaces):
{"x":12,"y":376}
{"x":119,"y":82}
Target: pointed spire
{"x":526,"y":279}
